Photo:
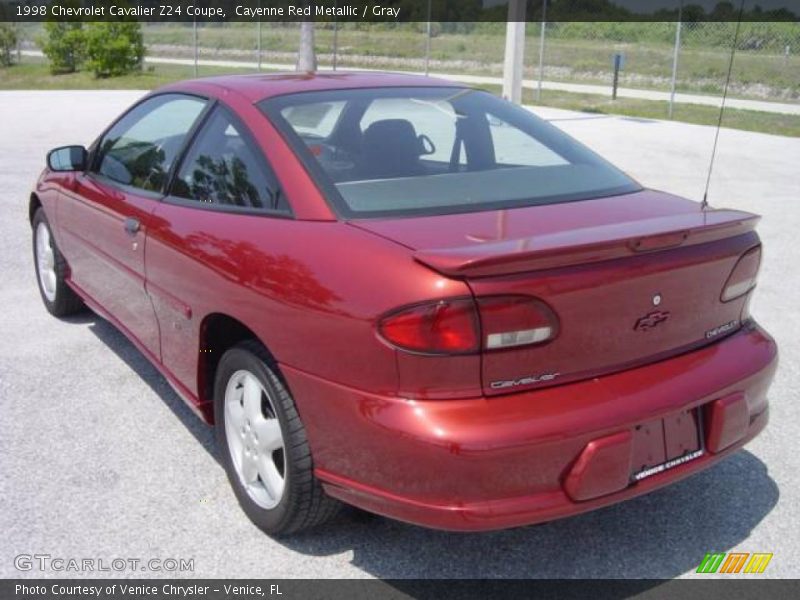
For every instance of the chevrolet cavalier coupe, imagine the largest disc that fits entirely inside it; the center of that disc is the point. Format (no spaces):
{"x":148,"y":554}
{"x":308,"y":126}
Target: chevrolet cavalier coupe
{"x":410,"y":296}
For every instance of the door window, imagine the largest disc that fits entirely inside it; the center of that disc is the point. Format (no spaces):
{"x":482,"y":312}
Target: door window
{"x":224,"y":168}
{"x":140,"y":149}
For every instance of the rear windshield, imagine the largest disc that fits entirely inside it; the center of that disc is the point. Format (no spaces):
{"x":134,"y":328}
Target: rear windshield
{"x":436,"y":150}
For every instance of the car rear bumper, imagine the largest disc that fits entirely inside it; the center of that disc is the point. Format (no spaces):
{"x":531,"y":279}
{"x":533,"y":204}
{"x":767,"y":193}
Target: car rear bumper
{"x":529,"y":457}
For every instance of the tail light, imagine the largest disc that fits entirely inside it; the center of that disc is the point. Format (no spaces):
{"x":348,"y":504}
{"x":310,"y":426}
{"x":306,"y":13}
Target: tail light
{"x":743,"y":277}
{"x":509,"y":321}
{"x":441,"y":327}
{"x":460,"y":326}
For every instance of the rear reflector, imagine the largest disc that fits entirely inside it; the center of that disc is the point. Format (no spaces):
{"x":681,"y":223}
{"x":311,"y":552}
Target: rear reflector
{"x":440,"y":327}
{"x":743,"y":277}
{"x":510,"y":321}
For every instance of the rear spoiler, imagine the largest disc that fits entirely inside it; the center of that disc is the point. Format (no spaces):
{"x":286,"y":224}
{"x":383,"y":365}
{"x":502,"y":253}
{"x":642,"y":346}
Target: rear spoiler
{"x":588,"y":245}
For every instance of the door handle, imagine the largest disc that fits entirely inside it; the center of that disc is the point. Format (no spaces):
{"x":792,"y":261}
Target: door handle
{"x":132,"y":226}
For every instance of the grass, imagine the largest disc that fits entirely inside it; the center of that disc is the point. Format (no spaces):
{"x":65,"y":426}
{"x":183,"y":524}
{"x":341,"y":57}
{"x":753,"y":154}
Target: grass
{"x":574,"y":52}
{"x":648,"y":61}
{"x":747,"y":120}
{"x":34,"y":75}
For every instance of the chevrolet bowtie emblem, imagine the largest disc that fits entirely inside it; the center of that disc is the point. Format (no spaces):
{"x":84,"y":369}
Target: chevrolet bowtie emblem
{"x":650,"y":320}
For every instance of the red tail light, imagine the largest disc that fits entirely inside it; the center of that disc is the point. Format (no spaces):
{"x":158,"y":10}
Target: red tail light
{"x":743,"y":277}
{"x":509,"y":321}
{"x":452,"y":326}
{"x":440,"y":327}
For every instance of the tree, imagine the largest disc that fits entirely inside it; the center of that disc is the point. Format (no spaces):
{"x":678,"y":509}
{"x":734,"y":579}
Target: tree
{"x":114,"y":48}
{"x":64,"y":45}
{"x":8,"y":40}
{"x":306,"y":57}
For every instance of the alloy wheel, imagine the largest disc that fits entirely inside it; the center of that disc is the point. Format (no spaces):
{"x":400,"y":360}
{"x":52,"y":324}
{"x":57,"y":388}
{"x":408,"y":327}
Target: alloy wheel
{"x":255,"y":439}
{"x":45,"y":262}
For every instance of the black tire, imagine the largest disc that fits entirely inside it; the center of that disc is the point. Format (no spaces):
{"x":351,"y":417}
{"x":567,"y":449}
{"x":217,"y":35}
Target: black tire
{"x":65,"y":301}
{"x":303,"y":504}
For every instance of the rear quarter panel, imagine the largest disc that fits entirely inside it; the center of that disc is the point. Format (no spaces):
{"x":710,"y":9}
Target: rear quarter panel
{"x":310,"y":290}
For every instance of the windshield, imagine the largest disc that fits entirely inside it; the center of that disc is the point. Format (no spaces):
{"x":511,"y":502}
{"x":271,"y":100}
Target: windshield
{"x":436,"y":150}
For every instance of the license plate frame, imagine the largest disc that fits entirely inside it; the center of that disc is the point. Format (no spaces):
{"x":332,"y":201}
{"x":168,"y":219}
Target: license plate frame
{"x":673,"y":427}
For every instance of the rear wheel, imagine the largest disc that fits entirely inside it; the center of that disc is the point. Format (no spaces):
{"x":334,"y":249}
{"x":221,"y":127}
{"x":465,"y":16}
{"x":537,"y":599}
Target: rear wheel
{"x":51,"y":270}
{"x":264,"y":447}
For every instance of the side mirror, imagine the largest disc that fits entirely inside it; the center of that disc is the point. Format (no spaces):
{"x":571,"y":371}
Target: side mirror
{"x":67,"y":158}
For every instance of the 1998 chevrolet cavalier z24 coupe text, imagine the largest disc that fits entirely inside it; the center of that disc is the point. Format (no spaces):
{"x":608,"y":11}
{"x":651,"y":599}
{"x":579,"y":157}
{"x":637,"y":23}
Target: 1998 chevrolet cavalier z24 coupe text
{"x":409,"y":296}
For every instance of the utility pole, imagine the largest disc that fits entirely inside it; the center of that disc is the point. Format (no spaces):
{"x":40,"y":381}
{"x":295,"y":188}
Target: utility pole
{"x":194,"y":41}
{"x":258,"y":33}
{"x":515,"y":51}
{"x":306,"y":57}
{"x":541,"y":51}
{"x":428,"y":41}
{"x":675,"y":57}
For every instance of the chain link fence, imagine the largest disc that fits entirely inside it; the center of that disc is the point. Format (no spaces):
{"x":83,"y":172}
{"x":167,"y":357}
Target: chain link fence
{"x":576,"y":58}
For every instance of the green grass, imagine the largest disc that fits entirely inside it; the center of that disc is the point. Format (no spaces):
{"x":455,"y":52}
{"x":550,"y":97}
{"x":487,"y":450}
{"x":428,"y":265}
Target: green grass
{"x":35,"y":75}
{"x":747,"y":120}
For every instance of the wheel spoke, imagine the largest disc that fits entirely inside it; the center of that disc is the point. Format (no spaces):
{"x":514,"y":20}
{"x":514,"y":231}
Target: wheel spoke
{"x":252,"y":398}
{"x":249,"y":464}
{"x":234,"y":412}
{"x":268,"y":434}
{"x":270,"y":477}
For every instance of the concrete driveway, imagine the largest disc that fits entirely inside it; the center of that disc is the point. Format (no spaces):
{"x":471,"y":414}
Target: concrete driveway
{"x":100,"y":459}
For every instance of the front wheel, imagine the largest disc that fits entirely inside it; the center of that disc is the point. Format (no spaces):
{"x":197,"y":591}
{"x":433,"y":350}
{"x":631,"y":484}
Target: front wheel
{"x":264,"y":447}
{"x":51,"y":271}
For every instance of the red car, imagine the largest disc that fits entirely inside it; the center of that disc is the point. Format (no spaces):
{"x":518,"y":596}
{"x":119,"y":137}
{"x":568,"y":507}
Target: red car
{"x":409,"y":296}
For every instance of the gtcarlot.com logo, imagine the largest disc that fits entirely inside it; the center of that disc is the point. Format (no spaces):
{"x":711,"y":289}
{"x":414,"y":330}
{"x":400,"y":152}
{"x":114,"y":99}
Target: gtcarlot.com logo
{"x":48,"y":562}
{"x":734,"y":562}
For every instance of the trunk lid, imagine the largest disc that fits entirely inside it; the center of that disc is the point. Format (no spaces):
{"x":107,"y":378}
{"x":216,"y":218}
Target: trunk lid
{"x":632,"y":279}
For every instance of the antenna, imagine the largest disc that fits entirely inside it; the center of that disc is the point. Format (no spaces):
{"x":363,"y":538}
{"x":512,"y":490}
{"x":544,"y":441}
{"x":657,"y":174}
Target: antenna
{"x":704,"y":205}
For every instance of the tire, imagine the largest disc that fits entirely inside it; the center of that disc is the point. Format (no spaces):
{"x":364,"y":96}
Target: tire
{"x":252,"y":463}
{"x":51,"y":271}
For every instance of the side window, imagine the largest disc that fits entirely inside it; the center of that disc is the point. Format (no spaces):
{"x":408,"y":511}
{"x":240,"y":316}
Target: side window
{"x":140,"y":149}
{"x":514,"y":147}
{"x":223,"y":167}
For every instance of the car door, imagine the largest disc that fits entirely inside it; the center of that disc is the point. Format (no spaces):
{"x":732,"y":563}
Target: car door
{"x":204,"y":250}
{"x":105,"y":218}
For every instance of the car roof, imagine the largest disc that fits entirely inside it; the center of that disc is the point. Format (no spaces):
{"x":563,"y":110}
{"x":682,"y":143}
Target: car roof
{"x":260,"y":86}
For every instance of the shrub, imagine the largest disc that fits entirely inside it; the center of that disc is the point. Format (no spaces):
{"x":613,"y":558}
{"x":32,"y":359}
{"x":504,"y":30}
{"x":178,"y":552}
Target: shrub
{"x":8,"y":40}
{"x":114,"y":48}
{"x":64,"y":45}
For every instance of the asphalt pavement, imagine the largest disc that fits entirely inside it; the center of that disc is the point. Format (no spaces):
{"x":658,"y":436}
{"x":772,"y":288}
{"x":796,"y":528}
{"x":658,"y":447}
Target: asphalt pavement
{"x":99,"y":459}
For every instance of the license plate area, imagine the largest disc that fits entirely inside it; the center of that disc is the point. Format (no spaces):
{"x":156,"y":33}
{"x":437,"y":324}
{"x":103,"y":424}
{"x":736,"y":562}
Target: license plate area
{"x":662,"y":444}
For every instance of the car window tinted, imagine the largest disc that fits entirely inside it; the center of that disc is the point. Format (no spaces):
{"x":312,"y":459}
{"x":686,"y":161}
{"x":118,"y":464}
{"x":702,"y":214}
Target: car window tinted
{"x":223,"y":167}
{"x":140,"y":149}
{"x":435,"y":150}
